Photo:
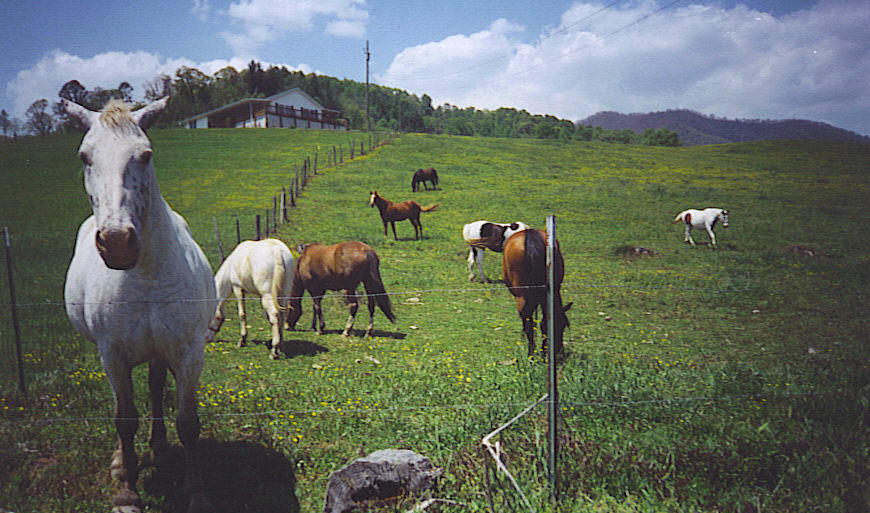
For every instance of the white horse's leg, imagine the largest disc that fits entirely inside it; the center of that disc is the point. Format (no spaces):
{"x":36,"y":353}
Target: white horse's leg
{"x":156,"y":384}
{"x":479,"y":260}
{"x":471,"y":260}
{"x":243,"y":317}
{"x":712,"y":236}
{"x":688,"y":237}
{"x":188,"y":427}
{"x":276,"y":320}
{"x":125,"y":463}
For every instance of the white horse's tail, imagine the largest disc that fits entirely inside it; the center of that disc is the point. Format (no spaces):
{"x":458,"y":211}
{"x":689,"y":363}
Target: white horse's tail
{"x":278,"y":280}
{"x":679,"y":217}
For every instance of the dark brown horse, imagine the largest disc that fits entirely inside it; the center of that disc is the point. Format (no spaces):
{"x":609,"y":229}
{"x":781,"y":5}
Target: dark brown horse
{"x":392,"y":212}
{"x":423,"y":176}
{"x":338,"y":267}
{"x":524,"y":268}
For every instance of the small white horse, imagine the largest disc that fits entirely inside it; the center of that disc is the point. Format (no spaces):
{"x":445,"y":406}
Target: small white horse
{"x":699,"y":219}
{"x":261,"y":268}
{"x":482,"y":235}
{"x":140,"y":288}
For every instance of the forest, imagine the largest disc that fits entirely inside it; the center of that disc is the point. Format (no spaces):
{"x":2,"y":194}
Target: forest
{"x":390,"y":109}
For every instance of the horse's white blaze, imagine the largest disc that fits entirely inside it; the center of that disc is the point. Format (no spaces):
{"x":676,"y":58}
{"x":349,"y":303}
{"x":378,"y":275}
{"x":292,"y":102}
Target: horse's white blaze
{"x":158,"y":307}
{"x":261,"y":268}
{"x":702,"y":220}
{"x":472,"y":232}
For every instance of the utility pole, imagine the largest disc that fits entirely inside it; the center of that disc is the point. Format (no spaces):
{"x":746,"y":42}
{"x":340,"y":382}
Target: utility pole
{"x":368,"y":57}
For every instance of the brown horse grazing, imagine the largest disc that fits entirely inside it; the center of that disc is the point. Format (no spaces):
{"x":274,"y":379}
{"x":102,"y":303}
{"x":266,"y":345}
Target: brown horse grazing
{"x":524,"y":268}
{"x":392,"y":212}
{"x":423,"y":176}
{"x":338,"y":267}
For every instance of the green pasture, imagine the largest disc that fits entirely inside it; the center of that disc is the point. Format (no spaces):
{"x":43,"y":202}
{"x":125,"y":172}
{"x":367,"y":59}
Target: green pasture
{"x":695,"y":380}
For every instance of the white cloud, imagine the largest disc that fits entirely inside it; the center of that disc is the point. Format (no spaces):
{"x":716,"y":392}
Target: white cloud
{"x":105,"y":70}
{"x":201,"y":8}
{"x":734,"y":62}
{"x":263,"y":21}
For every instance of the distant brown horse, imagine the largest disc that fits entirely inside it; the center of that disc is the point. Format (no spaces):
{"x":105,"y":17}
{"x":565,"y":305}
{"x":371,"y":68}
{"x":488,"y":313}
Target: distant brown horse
{"x":524,"y":268}
{"x":423,"y":176}
{"x":338,"y":267}
{"x":392,"y":212}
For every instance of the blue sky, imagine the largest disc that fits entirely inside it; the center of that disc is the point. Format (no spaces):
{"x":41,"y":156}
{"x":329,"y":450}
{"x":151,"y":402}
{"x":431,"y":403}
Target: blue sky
{"x":753,"y":59}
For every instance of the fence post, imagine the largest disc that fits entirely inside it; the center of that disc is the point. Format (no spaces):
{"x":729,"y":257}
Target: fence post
{"x":334,"y":158}
{"x":552,"y":392}
{"x":283,"y":204}
{"x":315,"y":163}
{"x":274,"y":214}
{"x":14,"y":309}
{"x":217,"y":236}
{"x":341,"y":154}
{"x":257,"y":223}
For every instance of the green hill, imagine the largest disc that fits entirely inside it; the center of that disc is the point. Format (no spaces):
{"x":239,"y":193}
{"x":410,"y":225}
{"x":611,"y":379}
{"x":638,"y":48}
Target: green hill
{"x":694,"y":379}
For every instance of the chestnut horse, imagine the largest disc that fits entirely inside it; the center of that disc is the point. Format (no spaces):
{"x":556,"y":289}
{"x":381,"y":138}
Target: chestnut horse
{"x":423,"y":176}
{"x":338,"y":267}
{"x":524,"y":268}
{"x":392,"y":212}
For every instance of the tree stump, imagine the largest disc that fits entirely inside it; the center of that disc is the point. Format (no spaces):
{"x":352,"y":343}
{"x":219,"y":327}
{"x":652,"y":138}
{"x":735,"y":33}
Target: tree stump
{"x":380,"y":475}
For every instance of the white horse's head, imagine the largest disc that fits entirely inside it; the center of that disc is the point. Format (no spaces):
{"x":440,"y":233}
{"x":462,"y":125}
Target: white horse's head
{"x":119,"y":175}
{"x":724,"y":216}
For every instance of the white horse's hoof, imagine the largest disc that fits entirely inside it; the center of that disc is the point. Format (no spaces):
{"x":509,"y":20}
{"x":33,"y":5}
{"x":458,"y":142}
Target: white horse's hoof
{"x":126,"y":509}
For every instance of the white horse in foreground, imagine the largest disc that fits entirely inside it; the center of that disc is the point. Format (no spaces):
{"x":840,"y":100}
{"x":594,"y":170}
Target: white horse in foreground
{"x":482,"y":235}
{"x":702,"y":219}
{"x":139,"y":287}
{"x":261,"y":268}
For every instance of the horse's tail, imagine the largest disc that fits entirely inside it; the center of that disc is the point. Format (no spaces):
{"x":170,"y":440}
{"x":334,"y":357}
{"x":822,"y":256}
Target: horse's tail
{"x":430,"y":208}
{"x":434,"y":177}
{"x":375,"y":286}
{"x":278,"y":276}
{"x":678,"y":218}
{"x":535,"y":258}
{"x":414,"y":181}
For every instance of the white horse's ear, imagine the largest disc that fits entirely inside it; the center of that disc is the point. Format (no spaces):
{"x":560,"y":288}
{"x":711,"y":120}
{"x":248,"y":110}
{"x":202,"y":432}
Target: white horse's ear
{"x":85,"y":115}
{"x":146,"y":116}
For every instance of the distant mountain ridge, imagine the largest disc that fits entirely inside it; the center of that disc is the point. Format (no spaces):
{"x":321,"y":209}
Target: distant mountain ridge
{"x":695,"y":128}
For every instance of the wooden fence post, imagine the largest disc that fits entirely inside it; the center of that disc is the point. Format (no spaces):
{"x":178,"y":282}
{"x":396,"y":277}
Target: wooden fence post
{"x":257,"y":222}
{"x":19,"y":357}
{"x":283,"y":204}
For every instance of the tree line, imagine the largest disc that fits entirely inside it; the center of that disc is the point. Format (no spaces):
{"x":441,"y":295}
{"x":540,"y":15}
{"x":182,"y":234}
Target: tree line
{"x":193,"y":92}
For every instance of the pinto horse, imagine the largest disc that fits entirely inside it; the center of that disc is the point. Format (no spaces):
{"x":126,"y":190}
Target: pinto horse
{"x":481,"y":235}
{"x":261,"y":268}
{"x":140,"y":288}
{"x":338,"y":267}
{"x":423,"y":176}
{"x":524,"y":268}
{"x":392,"y":212}
{"x":699,"y":219}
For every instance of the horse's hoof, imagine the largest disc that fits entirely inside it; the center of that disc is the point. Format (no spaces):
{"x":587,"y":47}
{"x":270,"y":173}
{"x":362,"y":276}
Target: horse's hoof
{"x":243,"y":343}
{"x":126,"y":509}
{"x":127,"y":501}
{"x":275,"y":356}
{"x":345,"y":333}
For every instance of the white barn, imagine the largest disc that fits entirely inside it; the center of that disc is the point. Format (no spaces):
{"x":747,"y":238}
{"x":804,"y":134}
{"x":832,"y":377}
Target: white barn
{"x":293,"y":108}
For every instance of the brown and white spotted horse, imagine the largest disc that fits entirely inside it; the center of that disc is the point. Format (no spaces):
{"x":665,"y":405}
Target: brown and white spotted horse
{"x":705,"y":219}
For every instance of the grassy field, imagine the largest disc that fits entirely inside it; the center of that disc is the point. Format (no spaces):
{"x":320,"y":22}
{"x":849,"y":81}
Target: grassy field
{"x":695,"y":379}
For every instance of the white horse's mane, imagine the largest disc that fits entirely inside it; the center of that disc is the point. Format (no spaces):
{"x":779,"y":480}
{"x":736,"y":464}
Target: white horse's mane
{"x":116,"y":115}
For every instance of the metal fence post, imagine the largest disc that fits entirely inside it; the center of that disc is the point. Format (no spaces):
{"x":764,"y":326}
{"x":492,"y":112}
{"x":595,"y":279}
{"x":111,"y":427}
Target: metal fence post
{"x":552,"y":392}
{"x":14,"y":309}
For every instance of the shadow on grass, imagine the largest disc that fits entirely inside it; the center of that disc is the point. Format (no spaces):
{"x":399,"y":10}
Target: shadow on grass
{"x":238,"y":476}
